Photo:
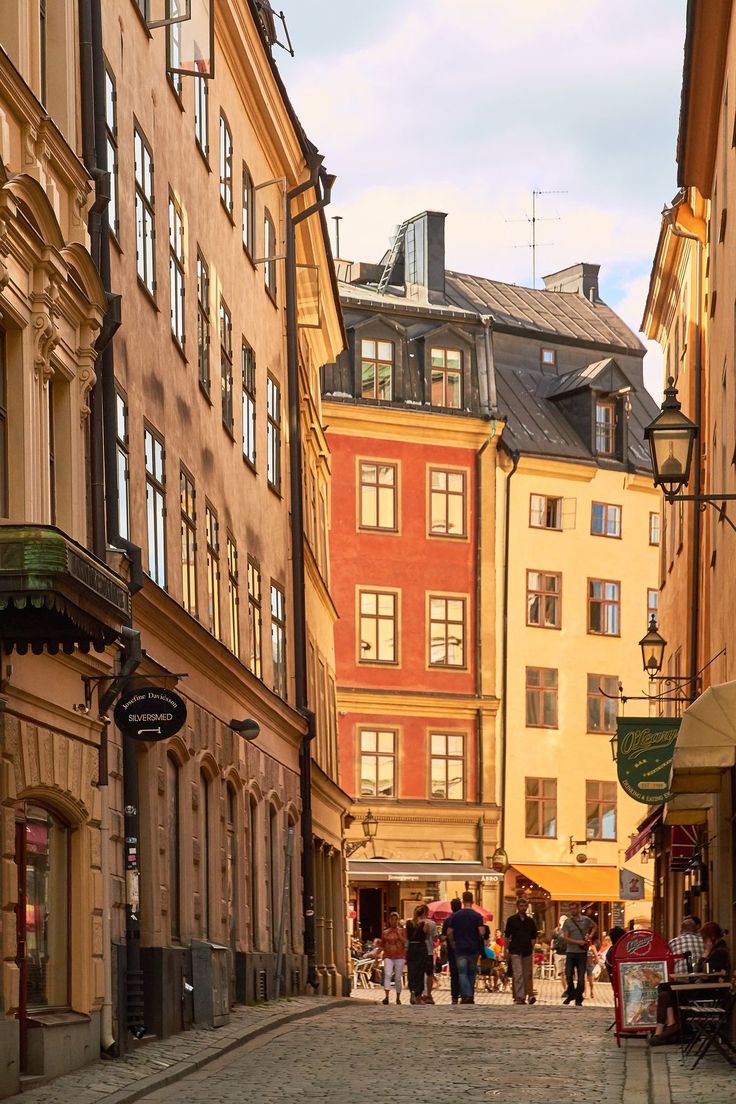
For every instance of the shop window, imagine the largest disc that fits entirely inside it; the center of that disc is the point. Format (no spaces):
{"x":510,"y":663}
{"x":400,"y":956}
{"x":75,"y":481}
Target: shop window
{"x":42,"y":857}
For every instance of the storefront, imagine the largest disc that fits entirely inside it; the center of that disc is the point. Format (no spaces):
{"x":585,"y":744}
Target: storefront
{"x":380,"y":886}
{"x":551,"y":890}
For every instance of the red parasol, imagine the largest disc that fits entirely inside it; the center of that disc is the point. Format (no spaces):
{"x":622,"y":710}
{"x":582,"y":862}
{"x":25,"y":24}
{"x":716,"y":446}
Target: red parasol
{"x":440,"y":910}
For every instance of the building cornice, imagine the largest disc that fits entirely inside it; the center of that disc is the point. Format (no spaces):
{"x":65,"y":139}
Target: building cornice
{"x":411,"y":424}
{"x":413,"y":703}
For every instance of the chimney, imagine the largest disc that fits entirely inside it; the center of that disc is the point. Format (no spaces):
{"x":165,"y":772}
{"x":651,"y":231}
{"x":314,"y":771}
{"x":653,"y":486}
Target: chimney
{"x":580,"y":278}
{"x":424,"y":255}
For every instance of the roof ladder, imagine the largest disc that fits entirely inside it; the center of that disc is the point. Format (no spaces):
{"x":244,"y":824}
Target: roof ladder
{"x":393,"y":254}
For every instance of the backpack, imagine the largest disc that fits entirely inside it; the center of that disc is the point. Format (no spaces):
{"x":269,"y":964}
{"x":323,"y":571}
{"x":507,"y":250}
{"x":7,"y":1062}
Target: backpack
{"x":559,"y":944}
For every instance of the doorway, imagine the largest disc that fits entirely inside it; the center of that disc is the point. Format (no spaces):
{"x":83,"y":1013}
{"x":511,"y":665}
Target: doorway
{"x":371,"y":911}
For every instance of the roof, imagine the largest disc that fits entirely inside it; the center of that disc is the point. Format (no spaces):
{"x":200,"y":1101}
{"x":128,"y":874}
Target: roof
{"x":601,"y":375}
{"x":535,"y":425}
{"x":557,"y":313}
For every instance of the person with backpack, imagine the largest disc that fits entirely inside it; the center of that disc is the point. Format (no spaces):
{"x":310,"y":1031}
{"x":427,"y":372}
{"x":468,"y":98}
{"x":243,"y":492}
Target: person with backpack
{"x":579,"y":931}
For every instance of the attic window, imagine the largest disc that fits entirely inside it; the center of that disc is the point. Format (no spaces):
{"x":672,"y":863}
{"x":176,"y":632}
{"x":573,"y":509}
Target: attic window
{"x":548,"y":358}
{"x":605,"y":427}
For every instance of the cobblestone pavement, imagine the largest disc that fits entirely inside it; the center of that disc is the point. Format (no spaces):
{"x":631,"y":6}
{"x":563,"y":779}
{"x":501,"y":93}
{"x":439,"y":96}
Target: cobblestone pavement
{"x":158,"y":1062}
{"x":547,"y":993}
{"x":422,"y":1055}
{"x":713,"y":1080}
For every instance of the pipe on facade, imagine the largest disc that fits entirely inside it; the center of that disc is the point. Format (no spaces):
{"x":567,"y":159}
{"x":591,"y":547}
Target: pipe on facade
{"x":670,"y":216}
{"x":505,"y":664}
{"x":322,"y":182}
{"x":479,"y":600}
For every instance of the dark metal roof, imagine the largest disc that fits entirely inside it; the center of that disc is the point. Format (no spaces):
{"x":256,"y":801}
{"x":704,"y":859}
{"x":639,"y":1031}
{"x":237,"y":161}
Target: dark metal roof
{"x":601,"y":375}
{"x":559,"y":314}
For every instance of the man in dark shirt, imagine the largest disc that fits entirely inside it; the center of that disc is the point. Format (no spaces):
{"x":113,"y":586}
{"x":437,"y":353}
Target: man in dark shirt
{"x":455,"y":904}
{"x":464,"y":936}
{"x":521,"y":935}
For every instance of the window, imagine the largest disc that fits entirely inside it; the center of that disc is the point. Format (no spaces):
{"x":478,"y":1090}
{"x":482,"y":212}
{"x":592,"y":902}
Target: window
{"x":377,"y":369}
{"x":600,"y":810}
{"x":548,"y":358}
{"x":42,"y":853}
{"x":249,"y":205}
{"x":377,"y":627}
{"x":51,"y":423}
{"x":540,"y":800}
{"x":226,"y":366}
{"x":601,"y":709}
{"x":201,"y":115}
{"x":111,"y":141}
{"x":273,"y":433}
{"x":255,"y":620}
{"x":254,"y":869}
{"x":541,"y":697}
{"x":173,"y":845}
{"x":3,"y":426}
{"x":652,"y":604}
{"x":203,"y":831}
{"x":155,"y":506}
{"x":446,"y":631}
{"x":377,"y":496}
{"x":543,"y":599}
{"x":121,"y":454}
{"x":212,"y":530}
{"x":604,"y":607}
{"x":203,"y":322}
{"x":447,"y":497}
{"x":605,"y":520}
{"x":269,"y":253}
{"x":377,"y":762}
{"x":226,"y":166}
{"x":145,"y":217}
{"x":447,"y":378}
{"x":654,"y":528}
{"x":545,"y":512}
{"x":249,"y":403}
{"x":605,"y":428}
{"x":188,"y":543}
{"x":447,"y":766}
{"x":173,"y":48}
{"x":176,"y":270}
{"x":278,"y":638}
{"x":233,"y":602}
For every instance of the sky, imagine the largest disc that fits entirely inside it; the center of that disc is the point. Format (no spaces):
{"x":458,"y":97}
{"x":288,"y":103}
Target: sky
{"x":467,"y":106}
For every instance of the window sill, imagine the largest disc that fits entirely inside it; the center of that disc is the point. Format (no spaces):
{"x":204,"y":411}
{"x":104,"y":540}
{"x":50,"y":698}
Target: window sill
{"x":179,"y":348}
{"x":174,"y":93}
{"x":555,"y":628}
{"x":249,"y":257}
{"x":448,"y":536}
{"x":204,"y":154}
{"x":379,"y":531}
{"x":205,"y":391}
{"x":228,"y":213}
{"x":148,"y":295}
{"x":59,"y":1018}
{"x":272,"y":296}
{"x":275,"y":490}
{"x":378,"y":663}
{"x":448,"y":667}
{"x":250,"y":464}
{"x":229,"y":430}
{"x":115,"y":240}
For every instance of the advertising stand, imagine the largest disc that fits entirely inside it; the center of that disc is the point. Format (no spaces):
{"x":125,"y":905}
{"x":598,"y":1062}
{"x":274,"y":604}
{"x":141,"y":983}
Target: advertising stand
{"x":642,"y":961}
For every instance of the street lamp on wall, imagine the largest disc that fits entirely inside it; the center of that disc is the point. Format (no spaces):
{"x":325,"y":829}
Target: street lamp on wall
{"x":369,"y":823}
{"x":499,"y":861}
{"x":652,"y":649}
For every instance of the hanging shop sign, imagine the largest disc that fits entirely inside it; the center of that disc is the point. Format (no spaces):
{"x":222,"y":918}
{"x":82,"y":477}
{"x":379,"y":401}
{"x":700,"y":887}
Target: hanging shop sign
{"x":642,"y":961}
{"x":150,"y":713}
{"x":630,"y":885}
{"x":644,"y":757}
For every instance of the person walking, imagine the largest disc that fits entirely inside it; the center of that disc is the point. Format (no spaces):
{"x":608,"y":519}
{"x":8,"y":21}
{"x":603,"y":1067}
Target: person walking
{"x":393,"y":945}
{"x":521,"y":935}
{"x":578,"y":931}
{"x":432,"y":933}
{"x":416,"y":953}
{"x":455,"y":904}
{"x":464,"y":935}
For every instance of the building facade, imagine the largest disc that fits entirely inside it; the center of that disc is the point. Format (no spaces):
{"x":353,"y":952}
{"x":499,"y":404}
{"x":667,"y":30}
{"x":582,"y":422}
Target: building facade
{"x":157,"y":518}
{"x":414,"y":431}
{"x":559,"y":490}
{"x":689,"y":311}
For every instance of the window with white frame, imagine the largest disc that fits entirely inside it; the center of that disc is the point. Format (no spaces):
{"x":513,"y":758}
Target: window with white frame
{"x":176,"y":270}
{"x":155,"y":505}
{"x":145,"y":215}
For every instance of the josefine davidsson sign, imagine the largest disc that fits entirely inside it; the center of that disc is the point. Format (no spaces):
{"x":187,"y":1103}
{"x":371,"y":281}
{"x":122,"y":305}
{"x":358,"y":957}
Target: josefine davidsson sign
{"x":150,"y":713}
{"x":644,"y":757}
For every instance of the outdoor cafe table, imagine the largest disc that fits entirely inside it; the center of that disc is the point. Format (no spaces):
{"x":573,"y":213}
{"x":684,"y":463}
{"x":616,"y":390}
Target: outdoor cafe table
{"x":688,"y":991}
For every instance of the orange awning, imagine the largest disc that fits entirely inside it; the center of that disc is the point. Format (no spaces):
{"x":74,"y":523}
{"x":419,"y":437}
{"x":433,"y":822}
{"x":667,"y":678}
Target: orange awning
{"x":575,"y":883}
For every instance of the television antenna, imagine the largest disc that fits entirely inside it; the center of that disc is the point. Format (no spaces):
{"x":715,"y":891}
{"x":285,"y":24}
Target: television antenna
{"x":534,"y":245}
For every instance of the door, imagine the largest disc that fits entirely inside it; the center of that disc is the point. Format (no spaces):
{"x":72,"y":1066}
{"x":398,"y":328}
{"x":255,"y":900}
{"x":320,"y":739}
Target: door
{"x":371,"y":909}
{"x":21,"y":914}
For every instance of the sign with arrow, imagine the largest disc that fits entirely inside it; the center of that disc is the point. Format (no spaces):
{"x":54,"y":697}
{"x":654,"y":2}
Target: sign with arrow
{"x":150,"y":713}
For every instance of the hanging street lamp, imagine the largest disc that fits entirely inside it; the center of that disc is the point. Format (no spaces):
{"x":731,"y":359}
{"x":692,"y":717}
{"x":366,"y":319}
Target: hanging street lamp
{"x":652,"y":649}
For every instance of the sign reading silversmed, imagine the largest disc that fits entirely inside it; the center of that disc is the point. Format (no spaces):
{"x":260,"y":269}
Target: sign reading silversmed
{"x":644,"y":757}
{"x":150,"y":713}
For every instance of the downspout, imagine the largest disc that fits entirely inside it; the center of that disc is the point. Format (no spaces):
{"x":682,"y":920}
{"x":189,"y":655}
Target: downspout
{"x":322,"y":183}
{"x":670,"y":215}
{"x":505,"y":664}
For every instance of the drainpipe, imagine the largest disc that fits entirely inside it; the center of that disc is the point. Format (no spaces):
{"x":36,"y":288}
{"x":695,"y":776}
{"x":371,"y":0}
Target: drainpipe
{"x":505,"y":665}
{"x":670,"y":216}
{"x":321,"y":182}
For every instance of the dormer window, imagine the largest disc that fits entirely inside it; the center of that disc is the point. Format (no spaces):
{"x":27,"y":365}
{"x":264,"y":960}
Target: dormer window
{"x":605,"y":427}
{"x":447,"y":378}
{"x":377,"y":369}
{"x":548,"y":358}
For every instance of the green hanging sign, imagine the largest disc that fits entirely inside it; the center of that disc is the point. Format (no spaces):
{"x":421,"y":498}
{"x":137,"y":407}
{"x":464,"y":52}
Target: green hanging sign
{"x":644,"y":757}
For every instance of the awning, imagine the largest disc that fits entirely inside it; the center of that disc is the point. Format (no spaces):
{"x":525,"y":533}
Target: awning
{"x":688,"y":808}
{"x":645,"y":830}
{"x":400,"y":870}
{"x":575,"y":883}
{"x":707,"y":737}
{"x":683,"y":846}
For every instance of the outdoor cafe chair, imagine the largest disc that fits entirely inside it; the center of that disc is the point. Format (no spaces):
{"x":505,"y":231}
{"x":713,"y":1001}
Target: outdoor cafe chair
{"x":708,"y":1024}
